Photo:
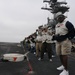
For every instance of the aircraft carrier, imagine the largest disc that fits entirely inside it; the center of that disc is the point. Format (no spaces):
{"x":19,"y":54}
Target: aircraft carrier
{"x":30,"y":65}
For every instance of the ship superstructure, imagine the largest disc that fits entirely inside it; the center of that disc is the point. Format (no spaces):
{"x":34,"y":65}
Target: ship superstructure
{"x":53,"y":7}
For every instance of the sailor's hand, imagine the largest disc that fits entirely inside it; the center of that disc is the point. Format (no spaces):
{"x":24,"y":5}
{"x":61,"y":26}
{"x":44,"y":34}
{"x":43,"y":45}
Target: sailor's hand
{"x":55,"y":37}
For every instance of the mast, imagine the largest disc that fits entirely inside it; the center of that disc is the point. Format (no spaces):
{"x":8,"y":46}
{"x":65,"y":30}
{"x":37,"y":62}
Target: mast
{"x":54,"y":7}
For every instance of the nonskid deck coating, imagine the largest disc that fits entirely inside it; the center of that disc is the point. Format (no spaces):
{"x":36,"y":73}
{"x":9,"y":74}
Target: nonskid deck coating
{"x":33,"y":66}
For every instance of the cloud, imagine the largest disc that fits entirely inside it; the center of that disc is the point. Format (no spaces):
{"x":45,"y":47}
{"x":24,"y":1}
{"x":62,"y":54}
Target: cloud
{"x":20,"y":18}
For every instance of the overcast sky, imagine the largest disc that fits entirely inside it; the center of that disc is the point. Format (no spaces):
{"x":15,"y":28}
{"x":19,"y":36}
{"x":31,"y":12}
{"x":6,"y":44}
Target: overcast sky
{"x":20,"y":18}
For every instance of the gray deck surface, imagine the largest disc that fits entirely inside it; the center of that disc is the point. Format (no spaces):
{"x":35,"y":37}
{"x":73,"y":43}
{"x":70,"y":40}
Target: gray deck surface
{"x":44,"y":67}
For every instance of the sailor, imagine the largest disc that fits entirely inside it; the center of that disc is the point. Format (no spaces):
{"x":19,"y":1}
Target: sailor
{"x":46,"y":43}
{"x":38,"y":41}
{"x":64,"y":32}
